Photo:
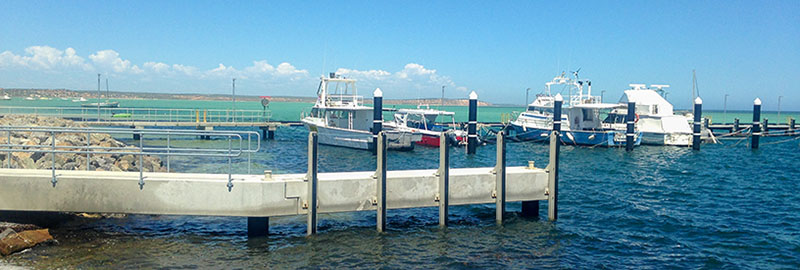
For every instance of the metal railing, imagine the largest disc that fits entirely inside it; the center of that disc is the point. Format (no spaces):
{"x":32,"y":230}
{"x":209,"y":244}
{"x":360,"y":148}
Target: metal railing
{"x":142,"y":114}
{"x":245,"y":145}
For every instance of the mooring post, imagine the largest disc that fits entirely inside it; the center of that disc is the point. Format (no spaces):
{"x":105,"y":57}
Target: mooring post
{"x":698,"y":114}
{"x":377,"y":117}
{"x":552,"y":168}
{"x":312,"y":183}
{"x":135,"y":134}
{"x":472,"y":134}
{"x":381,"y":185}
{"x":257,"y":226}
{"x":271,"y":132}
{"x":756,"y":123}
{"x":631,"y":121}
{"x":765,"y":129}
{"x":791,"y":125}
{"x":264,"y":133}
{"x":735,"y":125}
{"x":444,"y":179}
{"x":500,"y":183}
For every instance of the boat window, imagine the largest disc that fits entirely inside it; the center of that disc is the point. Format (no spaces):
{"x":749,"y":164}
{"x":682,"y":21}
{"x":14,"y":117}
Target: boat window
{"x":541,"y":110}
{"x":314,"y":112}
{"x":588,"y":115}
{"x":614,"y":118}
{"x":655,"y":109}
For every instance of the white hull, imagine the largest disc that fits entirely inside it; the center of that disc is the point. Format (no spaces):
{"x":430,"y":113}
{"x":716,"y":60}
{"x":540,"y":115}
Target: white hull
{"x":360,"y":139}
{"x":657,"y":138}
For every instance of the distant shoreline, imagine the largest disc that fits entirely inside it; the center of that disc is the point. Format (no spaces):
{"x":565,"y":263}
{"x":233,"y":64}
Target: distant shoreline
{"x":66,"y":93}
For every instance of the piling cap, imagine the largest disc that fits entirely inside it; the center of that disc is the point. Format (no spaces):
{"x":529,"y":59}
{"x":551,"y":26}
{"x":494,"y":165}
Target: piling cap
{"x":473,"y":95}
{"x":757,"y":101}
{"x":377,"y":93}
{"x":559,"y":97}
{"x":698,"y":101}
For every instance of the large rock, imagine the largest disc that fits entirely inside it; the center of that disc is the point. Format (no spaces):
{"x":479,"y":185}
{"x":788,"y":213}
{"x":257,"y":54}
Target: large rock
{"x":14,"y":241}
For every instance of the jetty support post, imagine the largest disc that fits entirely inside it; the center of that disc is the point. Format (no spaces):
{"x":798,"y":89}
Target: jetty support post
{"x":312,"y":183}
{"x":630,"y":120}
{"x":381,"y":184}
{"x":735,"y":125}
{"x":377,"y":117}
{"x":500,"y":183}
{"x":765,"y":129}
{"x":472,"y":134}
{"x":756,"y":124}
{"x":257,"y":226}
{"x":698,"y":115}
{"x":791,"y":125}
{"x":552,"y":167}
{"x":444,"y":179}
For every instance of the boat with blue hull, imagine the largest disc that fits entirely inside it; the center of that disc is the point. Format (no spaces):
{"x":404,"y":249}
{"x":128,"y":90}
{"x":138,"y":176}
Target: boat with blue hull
{"x":584,"y":120}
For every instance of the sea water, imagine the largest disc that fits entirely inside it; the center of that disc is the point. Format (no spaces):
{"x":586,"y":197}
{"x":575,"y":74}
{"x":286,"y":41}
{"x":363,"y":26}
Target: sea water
{"x":723,"y":207}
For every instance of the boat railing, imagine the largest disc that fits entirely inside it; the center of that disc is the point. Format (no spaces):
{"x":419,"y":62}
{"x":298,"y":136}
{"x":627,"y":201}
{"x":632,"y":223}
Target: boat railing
{"x":345,"y":100}
{"x":142,"y":114}
{"x":164,"y":143}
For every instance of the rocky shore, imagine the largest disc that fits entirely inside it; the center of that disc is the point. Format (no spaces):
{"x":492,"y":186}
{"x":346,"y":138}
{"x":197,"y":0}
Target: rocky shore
{"x":17,"y":235}
{"x":38,"y":160}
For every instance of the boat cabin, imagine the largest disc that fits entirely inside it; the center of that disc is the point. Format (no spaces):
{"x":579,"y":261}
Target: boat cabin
{"x":424,"y":118}
{"x":596,"y":116}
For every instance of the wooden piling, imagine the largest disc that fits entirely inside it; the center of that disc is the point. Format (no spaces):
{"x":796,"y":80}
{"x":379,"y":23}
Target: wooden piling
{"x":756,"y":130}
{"x":698,"y":115}
{"x":312,"y":183}
{"x":381,"y":184}
{"x":500,"y":184}
{"x":472,"y":134}
{"x":630,"y":118}
{"x":552,"y":168}
{"x":444,"y":179}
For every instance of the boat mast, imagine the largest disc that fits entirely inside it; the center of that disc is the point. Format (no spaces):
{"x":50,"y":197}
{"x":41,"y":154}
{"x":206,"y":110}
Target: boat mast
{"x":106,"y":90}
{"x":99,"y":96}
{"x":441,"y":102}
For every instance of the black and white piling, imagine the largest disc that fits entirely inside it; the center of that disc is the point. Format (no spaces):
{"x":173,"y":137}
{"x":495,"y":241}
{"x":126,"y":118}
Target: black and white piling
{"x":472,"y":125}
{"x":791,"y":125}
{"x":381,"y":183}
{"x":631,"y":121}
{"x":698,"y":116}
{"x":735,"y":125}
{"x":377,"y":117}
{"x":313,"y":183}
{"x":552,"y":168}
{"x":756,"y":123}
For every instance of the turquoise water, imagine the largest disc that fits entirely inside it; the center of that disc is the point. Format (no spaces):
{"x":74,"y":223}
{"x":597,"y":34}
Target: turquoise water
{"x":291,"y":111}
{"x":724,"y":207}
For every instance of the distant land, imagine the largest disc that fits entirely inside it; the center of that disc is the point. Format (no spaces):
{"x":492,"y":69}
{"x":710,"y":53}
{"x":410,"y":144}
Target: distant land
{"x":66,"y":93}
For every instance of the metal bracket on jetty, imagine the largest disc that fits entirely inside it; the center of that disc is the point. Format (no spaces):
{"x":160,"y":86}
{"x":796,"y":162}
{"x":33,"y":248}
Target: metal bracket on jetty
{"x":260,"y":196}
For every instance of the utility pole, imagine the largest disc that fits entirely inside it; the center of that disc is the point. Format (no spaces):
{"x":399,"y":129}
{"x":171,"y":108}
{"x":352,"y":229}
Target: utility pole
{"x":725,"y":108}
{"x":602,"y":92}
{"x":233,"y":98}
{"x":441,"y":102}
{"x":526,"y":96}
{"x":779,"y":109}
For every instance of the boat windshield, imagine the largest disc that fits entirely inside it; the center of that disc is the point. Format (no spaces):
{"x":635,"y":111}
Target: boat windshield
{"x":541,"y":110}
{"x":613,"y":118}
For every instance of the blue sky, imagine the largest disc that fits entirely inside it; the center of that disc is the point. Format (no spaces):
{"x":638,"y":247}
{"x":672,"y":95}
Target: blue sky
{"x":409,"y":48}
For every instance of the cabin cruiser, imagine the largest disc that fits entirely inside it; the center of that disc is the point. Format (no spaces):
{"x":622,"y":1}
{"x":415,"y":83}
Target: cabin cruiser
{"x":424,"y":120}
{"x":655,"y":117}
{"x":584,"y":119}
{"x":341,"y":119}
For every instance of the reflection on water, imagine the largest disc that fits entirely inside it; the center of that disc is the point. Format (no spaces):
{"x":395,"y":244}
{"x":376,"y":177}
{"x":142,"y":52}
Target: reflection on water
{"x":654,"y":207}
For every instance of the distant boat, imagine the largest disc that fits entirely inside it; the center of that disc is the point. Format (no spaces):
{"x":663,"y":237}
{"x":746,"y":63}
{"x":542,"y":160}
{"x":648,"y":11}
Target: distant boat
{"x":44,"y":98}
{"x":6,"y":97}
{"x":29,"y":98}
{"x":113,"y":104}
{"x":79,"y":100}
{"x":424,"y":120}
{"x":63,"y":98}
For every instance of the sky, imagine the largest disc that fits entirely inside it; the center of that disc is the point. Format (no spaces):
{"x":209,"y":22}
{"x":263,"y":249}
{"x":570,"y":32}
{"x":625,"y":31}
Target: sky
{"x":410,"y":49}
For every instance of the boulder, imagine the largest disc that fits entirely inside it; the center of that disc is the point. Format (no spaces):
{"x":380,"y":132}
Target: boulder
{"x":14,"y":242}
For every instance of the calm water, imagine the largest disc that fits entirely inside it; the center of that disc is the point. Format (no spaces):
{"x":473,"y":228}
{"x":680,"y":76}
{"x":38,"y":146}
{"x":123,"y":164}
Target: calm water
{"x":654,"y":208}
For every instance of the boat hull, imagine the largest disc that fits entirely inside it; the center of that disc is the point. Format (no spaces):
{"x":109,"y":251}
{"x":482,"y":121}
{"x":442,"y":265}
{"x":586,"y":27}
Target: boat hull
{"x":569,"y":137}
{"x":359,"y":139}
{"x":658,"y":138}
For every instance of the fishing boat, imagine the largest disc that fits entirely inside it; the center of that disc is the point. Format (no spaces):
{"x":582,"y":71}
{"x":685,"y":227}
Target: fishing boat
{"x":100,"y":104}
{"x":340,"y":118}
{"x":426,"y":121}
{"x":585,"y":120}
{"x":656,"y":120}
{"x":30,"y":98}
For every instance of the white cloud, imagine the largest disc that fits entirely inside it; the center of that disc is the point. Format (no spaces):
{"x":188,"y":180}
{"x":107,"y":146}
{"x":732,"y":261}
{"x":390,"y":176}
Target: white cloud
{"x":414,"y":80}
{"x":43,"y":58}
{"x":109,"y":59}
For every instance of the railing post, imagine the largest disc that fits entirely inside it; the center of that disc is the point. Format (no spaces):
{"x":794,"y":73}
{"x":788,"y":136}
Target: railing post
{"x":53,"y":157}
{"x":141,"y":160}
{"x":472,"y":134}
{"x":168,"y":151}
{"x":230,"y":164}
{"x":698,"y":114}
{"x":312,"y":183}
{"x":9,"y":155}
{"x":552,"y":168}
{"x":756,"y":128}
{"x":630,"y":118}
{"x":500,"y":182}
{"x":377,"y":117}
{"x":444,"y":179}
{"x":88,"y":150}
{"x":381,"y":183}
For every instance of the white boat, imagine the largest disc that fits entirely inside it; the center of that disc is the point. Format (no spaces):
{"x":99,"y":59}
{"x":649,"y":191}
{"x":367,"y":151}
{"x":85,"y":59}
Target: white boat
{"x":655,"y":116}
{"x":584,"y":119}
{"x":79,"y":100}
{"x":426,"y":121}
{"x":340,"y":118}
{"x":30,"y":98}
{"x":100,"y":104}
{"x":6,"y":97}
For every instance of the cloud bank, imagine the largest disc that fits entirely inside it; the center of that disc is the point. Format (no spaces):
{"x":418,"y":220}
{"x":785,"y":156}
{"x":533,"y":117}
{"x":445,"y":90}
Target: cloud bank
{"x":66,"y":69}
